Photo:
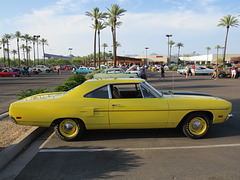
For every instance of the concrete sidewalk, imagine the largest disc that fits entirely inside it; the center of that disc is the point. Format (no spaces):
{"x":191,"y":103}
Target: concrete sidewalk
{"x":19,"y":144}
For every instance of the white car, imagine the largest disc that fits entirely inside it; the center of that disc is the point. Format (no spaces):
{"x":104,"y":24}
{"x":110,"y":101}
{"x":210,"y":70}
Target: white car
{"x":41,"y":68}
{"x":198,"y":71}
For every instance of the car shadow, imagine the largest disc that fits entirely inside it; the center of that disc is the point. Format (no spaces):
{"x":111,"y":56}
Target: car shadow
{"x":81,"y":165}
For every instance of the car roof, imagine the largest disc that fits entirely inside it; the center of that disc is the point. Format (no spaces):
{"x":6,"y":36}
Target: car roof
{"x":92,"y":84}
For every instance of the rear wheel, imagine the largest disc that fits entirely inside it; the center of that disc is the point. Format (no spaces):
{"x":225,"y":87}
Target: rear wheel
{"x":13,"y":75}
{"x":69,"y":129}
{"x":196,"y":125}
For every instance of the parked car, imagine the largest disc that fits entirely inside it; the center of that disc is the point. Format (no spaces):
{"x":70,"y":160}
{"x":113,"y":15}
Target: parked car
{"x":83,"y":70}
{"x":115,"y":73}
{"x":42,"y":68}
{"x":7,"y":72}
{"x":120,"y":104}
{"x":198,"y":71}
{"x":134,"y":70}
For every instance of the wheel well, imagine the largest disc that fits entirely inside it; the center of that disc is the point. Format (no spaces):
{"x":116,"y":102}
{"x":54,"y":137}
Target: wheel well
{"x":55,"y":122}
{"x":207,"y":113}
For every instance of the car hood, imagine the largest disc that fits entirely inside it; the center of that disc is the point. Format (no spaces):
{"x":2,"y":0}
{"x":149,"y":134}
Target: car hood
{"x":133,"y":66}
{"x":185,"y":93}
{"x":43,"y":96}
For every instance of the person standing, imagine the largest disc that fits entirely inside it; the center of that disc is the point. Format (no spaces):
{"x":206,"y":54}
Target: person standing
{"x":234,"y":72}
{"x":162,"y":72}
{"x":214,"y":75}
{"x":193,"y":70}
{"x":187,"y":70}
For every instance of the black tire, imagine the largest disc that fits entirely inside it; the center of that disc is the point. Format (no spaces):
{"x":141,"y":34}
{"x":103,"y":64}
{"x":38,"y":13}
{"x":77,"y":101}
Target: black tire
{"x":196,"y":125}
{"x":70,"y":129}
{"x":13,"y":75}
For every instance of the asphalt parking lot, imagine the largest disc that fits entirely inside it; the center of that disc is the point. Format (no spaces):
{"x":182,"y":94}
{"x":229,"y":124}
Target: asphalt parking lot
{"x":148,"y":154}
{"x":10,"y":86}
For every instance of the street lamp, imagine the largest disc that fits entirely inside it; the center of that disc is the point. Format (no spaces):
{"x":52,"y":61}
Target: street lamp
{"x":146,"y":52}
{"x":37,"y":36}
{"x":168,"y":36}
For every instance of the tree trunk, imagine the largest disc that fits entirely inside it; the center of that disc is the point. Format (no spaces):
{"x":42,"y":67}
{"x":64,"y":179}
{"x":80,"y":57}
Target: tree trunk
{"x":170,"y":55}
{"x":19,"y":61}
{"x":8,"y":54}
{"x":99,"y":56}
{"x":178,"y":53}
{"x":224,"y":54}
{"x":34,"y":56}
{"x":43,"y":54}
{"x":114,"y":47}
{"x":95,"y":39}
{"x":4,"y":55}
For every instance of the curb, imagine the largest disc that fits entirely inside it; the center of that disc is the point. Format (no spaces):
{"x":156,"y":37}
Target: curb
{"x":18,"y":145}
{"x":4,"y":115}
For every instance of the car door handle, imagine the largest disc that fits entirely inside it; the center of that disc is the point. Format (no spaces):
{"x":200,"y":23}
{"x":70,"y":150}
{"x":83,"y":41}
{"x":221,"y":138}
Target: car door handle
{"x":116,"y":105}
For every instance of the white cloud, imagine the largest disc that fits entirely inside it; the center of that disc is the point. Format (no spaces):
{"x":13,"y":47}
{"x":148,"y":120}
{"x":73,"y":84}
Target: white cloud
{"x":138,"y":30}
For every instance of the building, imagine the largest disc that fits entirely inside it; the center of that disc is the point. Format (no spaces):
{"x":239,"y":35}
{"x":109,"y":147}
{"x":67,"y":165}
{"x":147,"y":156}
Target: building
{"x":53,"y":56}
{"x":157,"y":59}
{"x":209,"y":59}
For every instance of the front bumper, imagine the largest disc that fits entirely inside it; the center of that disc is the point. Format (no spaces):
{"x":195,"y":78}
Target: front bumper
{"x":229,"y":116}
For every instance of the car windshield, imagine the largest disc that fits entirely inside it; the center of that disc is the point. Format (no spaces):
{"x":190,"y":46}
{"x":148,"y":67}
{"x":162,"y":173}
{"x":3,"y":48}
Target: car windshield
{"x":153,"y":89}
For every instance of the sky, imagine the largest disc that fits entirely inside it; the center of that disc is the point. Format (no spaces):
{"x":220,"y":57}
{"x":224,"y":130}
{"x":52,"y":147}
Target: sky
{"x":144,"y":24}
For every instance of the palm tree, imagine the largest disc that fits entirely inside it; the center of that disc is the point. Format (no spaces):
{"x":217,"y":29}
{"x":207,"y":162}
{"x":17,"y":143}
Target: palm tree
{"x":96,"y":16}
{"x":23,"y":47}
{"x":218,"y":47}
{"x":171,"y":43}
{"x":18,"y":36}
{"x":34,"y":40}
{"x":208,"y":49}
{"x":43,"y":42}
{"x":28,"y":49}
{"x":8,"y":37}
{"x":100,"y":26}
{"x":14,"y":52}
{"x":179,"y":45}
{"x":104,"y":45}
{"x":3,"y":42}
{"x":113,"y":14}
{"x":26,"y":38}
{"x":228,"y":21}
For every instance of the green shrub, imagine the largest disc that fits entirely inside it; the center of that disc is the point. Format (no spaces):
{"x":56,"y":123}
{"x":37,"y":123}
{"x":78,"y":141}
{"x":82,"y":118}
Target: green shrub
{"x":31,"y":92}
{"x":66,"y":86}
{"x":90,"y":75}
{"x":78,"y":78}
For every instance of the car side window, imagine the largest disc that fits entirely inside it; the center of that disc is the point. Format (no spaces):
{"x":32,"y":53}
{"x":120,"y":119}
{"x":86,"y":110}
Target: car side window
{"x":123,"y":91}
{"x":101,"y":93}
{"x":147,"y":93}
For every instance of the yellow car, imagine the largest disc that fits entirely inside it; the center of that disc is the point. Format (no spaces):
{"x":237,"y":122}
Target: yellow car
{"x":120,"y":104}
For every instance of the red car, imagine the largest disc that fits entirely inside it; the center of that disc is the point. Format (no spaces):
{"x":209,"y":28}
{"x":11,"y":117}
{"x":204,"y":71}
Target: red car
{"x":8,"y":73}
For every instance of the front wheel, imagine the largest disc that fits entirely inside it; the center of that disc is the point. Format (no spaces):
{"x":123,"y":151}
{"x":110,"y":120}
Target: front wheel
{"x":69,"y":129}
{"x":196,"y":125}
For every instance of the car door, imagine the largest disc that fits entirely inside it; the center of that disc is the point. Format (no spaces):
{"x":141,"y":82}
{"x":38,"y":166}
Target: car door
{"x":140,"y":109}
{"x":94,"y":111}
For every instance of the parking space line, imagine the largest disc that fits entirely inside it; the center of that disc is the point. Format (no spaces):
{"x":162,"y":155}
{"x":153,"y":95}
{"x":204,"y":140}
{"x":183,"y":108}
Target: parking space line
{"x":139,"y":149}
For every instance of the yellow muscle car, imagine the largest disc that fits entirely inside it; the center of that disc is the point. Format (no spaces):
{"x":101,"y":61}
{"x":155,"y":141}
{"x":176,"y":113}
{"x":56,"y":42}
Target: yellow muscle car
{"x":129,"y":103}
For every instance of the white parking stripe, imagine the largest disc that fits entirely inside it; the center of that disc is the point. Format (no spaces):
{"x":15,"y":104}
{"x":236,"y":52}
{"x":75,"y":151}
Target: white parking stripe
{"x":140,"y":149}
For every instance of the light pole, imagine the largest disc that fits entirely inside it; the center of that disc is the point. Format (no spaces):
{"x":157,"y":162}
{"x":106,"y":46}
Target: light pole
{"x":146,"y":52}
{"x":168,"y":36}
{"x":70,"y":49}
{"x":37,"y":36}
